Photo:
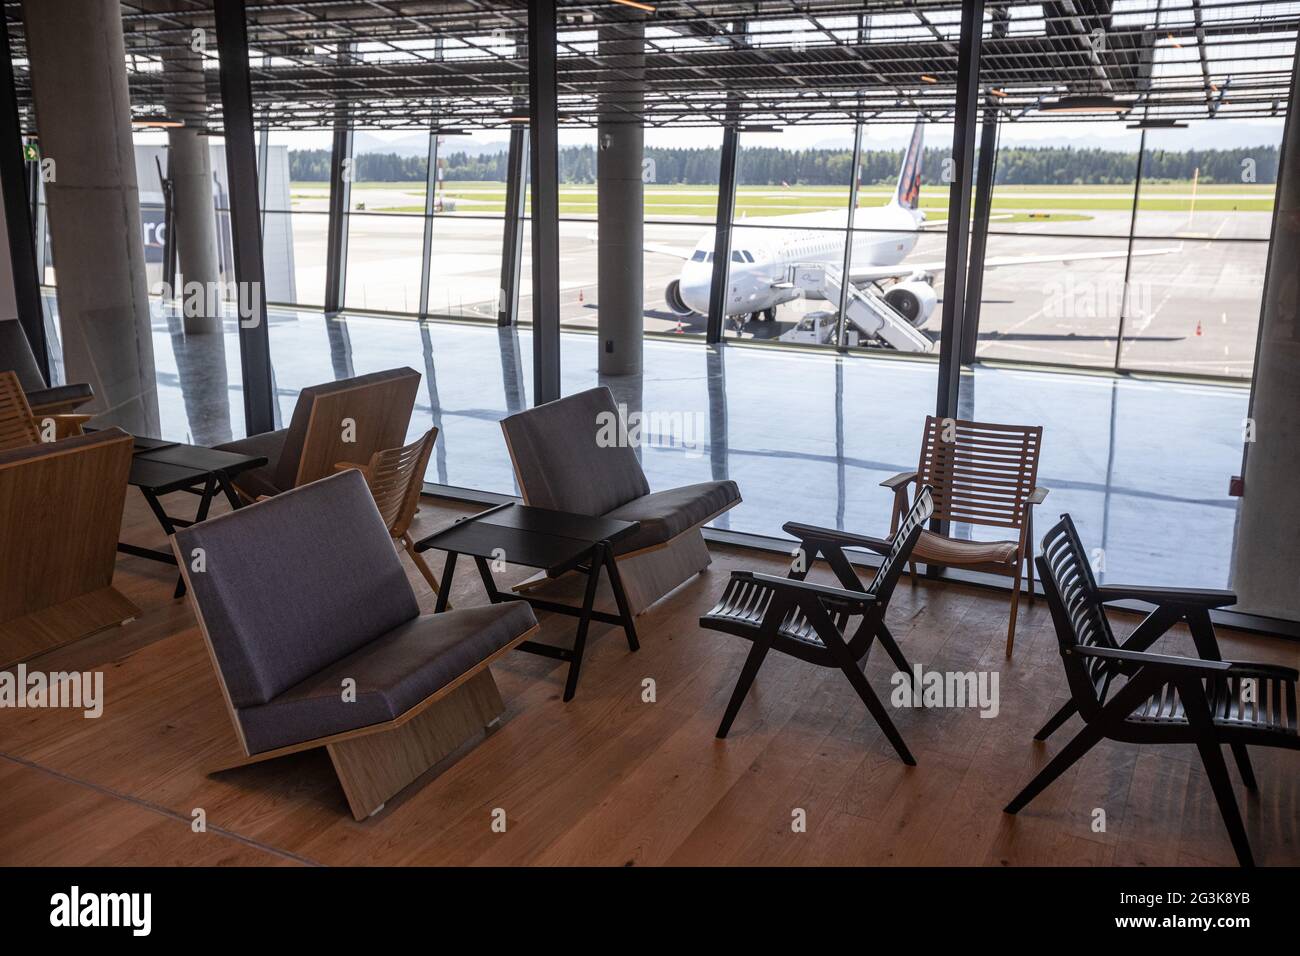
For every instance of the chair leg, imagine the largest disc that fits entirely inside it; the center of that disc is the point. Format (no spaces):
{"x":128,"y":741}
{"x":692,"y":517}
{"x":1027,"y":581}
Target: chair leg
{"x":893,"y":650}
{"x":877,"y":709}
{"x":1243,"y":766}
{"x":747,"y":674}
{"x":1029,"y":556}
{"x":1071,"y":752}
{"x":1217,"y":771}
{"x":911,"y":569}
{"x":1015,"y":606}
{"x":1060,"y":717}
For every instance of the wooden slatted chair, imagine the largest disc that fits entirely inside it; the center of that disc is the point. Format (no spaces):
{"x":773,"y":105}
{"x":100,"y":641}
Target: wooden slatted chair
{"x":20,"y":428}
{"x":1138,"y":697}
{"x":396,"y":478}
{"x":811,"y":621}
{"x":982,"y":474}
{"x":16,"y":356}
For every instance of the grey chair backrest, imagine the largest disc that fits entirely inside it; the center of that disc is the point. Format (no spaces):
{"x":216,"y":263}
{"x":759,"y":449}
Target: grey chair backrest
{"x":568,"y":456}
{"x":378,"y":404}
{"x":16,"y":356}
{"x":294,"y":583}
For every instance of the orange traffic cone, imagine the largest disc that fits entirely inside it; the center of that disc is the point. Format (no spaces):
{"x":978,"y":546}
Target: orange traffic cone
{"x":1198,"y":326}
{"x":580,"y":299}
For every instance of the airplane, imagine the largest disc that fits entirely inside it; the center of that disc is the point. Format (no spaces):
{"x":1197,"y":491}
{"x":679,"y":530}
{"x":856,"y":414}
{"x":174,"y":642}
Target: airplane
{"x":770,"y":267}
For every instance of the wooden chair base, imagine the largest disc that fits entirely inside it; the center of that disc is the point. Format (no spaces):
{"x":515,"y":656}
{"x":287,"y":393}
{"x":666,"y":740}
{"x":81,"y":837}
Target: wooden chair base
{"x":59,"y":624}
{"x":375,"y":766}
{"x":647,"y":575}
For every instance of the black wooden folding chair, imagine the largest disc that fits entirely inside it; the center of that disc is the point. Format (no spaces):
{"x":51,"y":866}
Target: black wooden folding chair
{"x":810,"y":621}
{"x":1133,"y":696}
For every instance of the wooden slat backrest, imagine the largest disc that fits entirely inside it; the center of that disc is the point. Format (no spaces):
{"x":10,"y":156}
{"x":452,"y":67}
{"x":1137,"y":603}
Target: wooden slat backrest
{"x":17,"y":429}
{"x":980,"y":473}
{"x":1077,"y":613}
{"x":396,"y":477}
{"x":60,"y":518}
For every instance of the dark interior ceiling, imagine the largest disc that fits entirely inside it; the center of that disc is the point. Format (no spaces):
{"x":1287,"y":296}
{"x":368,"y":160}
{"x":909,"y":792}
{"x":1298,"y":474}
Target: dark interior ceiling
{"x":413,"y":64}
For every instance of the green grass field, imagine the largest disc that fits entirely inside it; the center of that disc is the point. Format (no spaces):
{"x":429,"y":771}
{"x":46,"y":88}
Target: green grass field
{"x":698,"y":202}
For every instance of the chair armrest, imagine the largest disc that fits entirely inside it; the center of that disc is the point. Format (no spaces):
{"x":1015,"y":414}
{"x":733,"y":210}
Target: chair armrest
{"x":1037,"y":496}
{"x":1155,"y":661}
{"x":1184,"y":597}
{"x":899,"y":480}
{"x":790,"y":585}
{"x":810,"y":532}
{"x":1256,"y":669}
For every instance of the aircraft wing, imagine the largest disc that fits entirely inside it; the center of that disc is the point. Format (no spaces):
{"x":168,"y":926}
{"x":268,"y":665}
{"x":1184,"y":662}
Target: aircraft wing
{"x":875,"y":273}
{"x":935,"y":223}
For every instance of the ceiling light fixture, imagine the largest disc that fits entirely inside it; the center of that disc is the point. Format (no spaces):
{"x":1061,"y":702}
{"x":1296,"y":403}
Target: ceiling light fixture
{"x":927,"y":78}
{"x":633,"y":3}
{"x":1087,"y":103}
{"x":156,"y":121}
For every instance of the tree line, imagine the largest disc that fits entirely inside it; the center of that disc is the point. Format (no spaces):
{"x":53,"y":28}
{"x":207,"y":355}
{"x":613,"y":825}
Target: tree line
{"x":774,"y":166}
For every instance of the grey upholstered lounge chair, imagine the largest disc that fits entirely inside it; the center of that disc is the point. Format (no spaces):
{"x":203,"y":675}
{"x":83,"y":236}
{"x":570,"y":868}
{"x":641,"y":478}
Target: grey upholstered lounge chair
{"x":347,"y":420}
{"x":560,"y":464}
{"x":16,"y":356}
{"x":317,"y":640}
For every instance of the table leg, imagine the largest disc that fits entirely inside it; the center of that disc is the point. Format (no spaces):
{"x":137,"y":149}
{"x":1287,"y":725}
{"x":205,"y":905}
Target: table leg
{"x":444,"y":593}
{"x":489,"y":582}
{"x":584,"y":620}
{"x":620,"y":598}
{"x":228,"y":489}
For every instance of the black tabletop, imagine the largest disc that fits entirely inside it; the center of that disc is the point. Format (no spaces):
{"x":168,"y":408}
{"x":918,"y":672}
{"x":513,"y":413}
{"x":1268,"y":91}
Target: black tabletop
{"x":533,"y":537}
{"x":171,"y":466}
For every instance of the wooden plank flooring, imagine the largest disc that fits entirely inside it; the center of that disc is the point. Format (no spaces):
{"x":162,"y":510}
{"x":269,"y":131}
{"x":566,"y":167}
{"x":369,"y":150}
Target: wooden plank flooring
{"x":609,"y":779}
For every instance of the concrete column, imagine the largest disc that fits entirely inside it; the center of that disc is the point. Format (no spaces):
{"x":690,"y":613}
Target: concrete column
{"x":189,"y":166}
{"x":620,"y":202}
{"x":78,"y":71}
{"x":1266,"y":566}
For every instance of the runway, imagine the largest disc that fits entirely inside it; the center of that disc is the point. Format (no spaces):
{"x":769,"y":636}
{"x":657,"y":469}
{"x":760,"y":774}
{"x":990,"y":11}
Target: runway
{"x":1191,"y":307}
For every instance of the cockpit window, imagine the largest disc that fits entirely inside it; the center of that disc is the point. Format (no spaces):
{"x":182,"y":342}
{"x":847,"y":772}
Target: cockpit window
{"x":698,"y":256}
{"x":747,"y":254}
{"x":736,"y":256}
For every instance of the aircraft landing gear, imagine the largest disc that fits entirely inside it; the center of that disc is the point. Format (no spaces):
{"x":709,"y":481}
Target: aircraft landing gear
{"x":769,"y":315}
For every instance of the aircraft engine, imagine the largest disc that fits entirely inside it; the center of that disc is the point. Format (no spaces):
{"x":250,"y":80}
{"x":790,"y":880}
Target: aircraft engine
{"x":912,"y":300}
{"x":673,"y":299}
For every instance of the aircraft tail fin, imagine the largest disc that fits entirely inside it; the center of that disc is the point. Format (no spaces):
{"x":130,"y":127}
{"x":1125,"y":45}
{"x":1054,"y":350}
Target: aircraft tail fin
{"x":908,"y":194}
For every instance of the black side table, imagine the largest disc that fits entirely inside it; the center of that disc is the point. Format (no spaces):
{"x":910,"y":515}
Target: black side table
{"x":554,"y":541}
{"x":160,"y":468}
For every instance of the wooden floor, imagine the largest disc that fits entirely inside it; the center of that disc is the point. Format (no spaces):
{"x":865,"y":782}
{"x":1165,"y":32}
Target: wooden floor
{"x":612,"y":780}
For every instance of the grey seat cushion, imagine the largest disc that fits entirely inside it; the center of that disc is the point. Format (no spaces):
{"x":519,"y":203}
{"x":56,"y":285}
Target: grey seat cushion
{"x":295,"y":583}
{"x":666,"y":514}
{"x":392,"y":674}
{"x":563,"y":460}
{"x":268,"y":445}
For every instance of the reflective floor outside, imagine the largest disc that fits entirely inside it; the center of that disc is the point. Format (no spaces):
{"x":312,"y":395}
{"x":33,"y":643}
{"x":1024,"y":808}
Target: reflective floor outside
{"x":1143,"y":466}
